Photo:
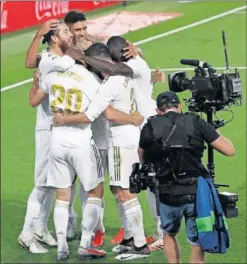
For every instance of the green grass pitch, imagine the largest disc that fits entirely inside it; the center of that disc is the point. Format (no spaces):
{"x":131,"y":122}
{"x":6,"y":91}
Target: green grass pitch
{"x":18,"y":120}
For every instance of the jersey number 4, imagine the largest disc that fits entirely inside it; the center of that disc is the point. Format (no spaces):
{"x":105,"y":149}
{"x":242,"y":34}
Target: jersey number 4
{"x":67,"y":98}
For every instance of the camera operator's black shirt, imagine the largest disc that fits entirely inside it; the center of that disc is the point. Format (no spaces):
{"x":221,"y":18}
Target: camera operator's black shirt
{"x":202,"y":132}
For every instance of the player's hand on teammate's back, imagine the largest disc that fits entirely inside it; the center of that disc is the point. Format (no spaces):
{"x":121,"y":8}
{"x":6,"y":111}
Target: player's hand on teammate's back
{"x":130,"y":51}
{"x":47,"y":26}
{"x":158,"y":76}
{"x":58,"y":119}
{"x":138,"y":118}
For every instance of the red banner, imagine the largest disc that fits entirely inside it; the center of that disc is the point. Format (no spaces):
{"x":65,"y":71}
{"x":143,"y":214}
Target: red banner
{"x":16,"y":15}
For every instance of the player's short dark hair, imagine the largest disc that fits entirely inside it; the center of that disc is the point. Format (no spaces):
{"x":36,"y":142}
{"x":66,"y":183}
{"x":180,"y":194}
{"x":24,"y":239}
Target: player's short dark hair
{"x":116,"y":44}
{"x":98,"y":50}
{"x":74,"y":16}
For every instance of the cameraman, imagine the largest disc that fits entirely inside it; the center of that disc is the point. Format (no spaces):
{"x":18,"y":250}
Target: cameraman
{"x":174,"y":143}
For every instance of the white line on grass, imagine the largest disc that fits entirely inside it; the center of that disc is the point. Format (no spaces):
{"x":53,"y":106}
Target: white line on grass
{"x":164,"y":70}
{"x":168,"y":33}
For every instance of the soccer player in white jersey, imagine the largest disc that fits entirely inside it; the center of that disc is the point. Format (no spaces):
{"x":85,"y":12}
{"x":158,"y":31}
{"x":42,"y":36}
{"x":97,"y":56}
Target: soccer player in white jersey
{"x":73,"y":152}
{"x":142,"y":78}
{"x":41,"y":198}
{"x":118,"y":92}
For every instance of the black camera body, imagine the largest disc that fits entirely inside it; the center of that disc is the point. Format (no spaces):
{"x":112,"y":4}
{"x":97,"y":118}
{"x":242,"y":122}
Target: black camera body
{"x":142,"y":177}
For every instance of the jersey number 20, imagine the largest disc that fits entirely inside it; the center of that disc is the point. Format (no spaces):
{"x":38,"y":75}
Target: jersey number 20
{"x":66,"y":96}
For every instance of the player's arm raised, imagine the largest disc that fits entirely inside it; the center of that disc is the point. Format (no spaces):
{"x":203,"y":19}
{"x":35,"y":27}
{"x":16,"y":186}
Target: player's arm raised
{"x":32,"y":57}
{"x":36,"y":95}
{"x":108,"y":67}
{"x":158,"y":76}
{"x":102,"y":65}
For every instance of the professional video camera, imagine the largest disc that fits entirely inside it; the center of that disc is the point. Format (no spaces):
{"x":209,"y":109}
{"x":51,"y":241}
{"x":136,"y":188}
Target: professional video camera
{"x":211,"y":92}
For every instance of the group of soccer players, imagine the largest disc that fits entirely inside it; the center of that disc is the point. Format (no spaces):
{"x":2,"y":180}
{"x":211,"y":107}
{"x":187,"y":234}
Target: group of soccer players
{"x":93,"y":96}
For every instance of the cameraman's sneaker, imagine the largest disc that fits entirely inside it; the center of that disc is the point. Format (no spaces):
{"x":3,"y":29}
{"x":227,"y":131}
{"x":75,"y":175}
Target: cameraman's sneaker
{"x":90,"y":253}
{"x":45,"y":238}
{"x":71,"y":229}
{"x":135,"y":253}
{"x":124,"y":246}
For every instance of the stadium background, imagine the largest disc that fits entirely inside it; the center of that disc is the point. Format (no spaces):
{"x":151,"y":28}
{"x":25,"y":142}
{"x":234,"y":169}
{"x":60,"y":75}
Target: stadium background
{"x":203,"y":41}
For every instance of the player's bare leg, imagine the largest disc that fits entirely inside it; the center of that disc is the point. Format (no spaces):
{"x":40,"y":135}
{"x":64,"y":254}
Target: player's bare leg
{"x":61,"y":217}
{"x":90,"y":215}
{"x":132,"y":247}
{"x":155,"y":240}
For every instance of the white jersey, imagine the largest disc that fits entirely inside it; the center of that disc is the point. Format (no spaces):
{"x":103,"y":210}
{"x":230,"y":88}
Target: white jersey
{"x":49,"y":62}
{"x":142,"y":79}
{"x":118,"y":92}
{"x":71,"y":92}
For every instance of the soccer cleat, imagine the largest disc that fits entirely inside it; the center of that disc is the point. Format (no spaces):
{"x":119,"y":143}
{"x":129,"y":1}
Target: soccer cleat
{"x":32,"y":245}
{"x":98,"y":239}
{"x":62,"y":250}
{"x":156,"y":245}
{"x":90,"y":253}
{"x":151,"y":239}
{"x":134,"y":253}
{"x":62,"y":256}
{"x":119,"y":237}
{"x":71,"y":229}
{"x":124,"y":246}
{"x":45,"y":238}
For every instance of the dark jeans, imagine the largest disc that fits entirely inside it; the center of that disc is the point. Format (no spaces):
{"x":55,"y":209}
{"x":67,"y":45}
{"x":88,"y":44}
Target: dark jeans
{"x":171,"y":217}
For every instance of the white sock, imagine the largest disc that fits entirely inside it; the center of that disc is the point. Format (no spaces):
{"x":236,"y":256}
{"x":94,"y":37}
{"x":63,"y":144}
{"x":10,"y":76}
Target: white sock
{"x":90,"y":216}
{"x":100,"y":225}
{"x":152,"y":204}
{"x":45,"y":210}
{"x":72,"y":212}
{"x":128,"y":233}
{"x":61,"y":218}
{"x":134,"y":216}
{"x":34,"y":203}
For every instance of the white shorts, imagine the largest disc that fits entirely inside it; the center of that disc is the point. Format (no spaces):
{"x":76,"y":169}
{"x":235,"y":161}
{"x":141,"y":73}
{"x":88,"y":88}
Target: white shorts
{"x":42,"y":153}
{"x":120,"y":161}
{"x":67,"y":162}
{"x":104,"y":159}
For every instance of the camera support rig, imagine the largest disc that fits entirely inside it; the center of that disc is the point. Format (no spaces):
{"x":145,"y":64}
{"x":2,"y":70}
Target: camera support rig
{"x":210,"y":165}
{"x":211,"y":92}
